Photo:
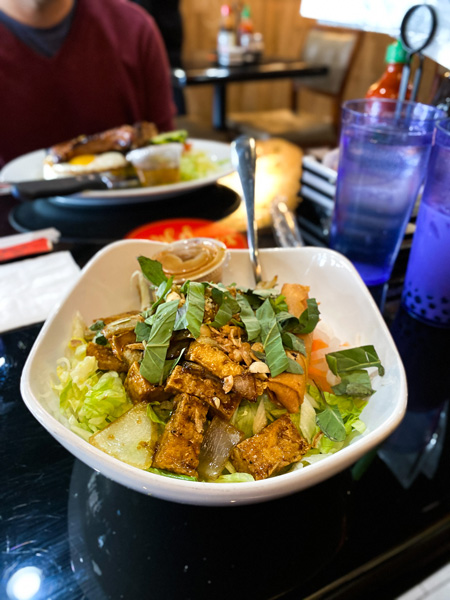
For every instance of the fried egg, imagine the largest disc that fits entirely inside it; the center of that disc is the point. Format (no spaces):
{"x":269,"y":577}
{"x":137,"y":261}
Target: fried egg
{"x":111,"y":162}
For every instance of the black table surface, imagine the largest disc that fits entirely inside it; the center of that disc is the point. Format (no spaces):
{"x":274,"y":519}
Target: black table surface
{"x":371,"y":531}
{"x":206,"y":70}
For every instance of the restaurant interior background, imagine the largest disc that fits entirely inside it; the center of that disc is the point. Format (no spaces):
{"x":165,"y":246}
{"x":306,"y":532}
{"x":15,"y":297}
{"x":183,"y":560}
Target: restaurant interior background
{"x":284,"y":31}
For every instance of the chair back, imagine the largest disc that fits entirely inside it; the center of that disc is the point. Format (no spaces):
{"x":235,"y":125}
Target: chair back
{"x":336,"y":48}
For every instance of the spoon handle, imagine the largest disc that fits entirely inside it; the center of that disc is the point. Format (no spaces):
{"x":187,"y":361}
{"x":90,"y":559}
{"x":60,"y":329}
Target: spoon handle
{"x":244,"y":159}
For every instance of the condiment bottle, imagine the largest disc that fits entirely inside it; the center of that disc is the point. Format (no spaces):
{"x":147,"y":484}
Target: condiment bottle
{"x":226,"y":37}
{"x":389,"y":83}
{"x":245,"y":23}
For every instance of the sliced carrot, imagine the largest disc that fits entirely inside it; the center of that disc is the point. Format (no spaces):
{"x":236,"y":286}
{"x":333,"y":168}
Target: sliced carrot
{"x":320,"y":377}
{"x":318,"y":344}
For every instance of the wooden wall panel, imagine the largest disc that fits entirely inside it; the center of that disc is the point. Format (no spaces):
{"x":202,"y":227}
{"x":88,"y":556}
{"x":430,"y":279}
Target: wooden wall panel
{"x":284,"y":32}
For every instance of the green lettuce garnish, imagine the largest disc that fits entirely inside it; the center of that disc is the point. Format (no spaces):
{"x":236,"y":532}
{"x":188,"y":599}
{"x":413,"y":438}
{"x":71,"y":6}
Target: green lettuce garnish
{"x":89,"y":398}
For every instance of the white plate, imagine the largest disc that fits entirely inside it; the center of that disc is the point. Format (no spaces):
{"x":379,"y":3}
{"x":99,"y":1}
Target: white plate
{"x":29,"y":167}
{"x":345,"y":304}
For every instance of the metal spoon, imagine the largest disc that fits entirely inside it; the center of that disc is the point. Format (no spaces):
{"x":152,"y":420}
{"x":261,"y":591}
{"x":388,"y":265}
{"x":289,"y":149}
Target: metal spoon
{"x":243,"y":156}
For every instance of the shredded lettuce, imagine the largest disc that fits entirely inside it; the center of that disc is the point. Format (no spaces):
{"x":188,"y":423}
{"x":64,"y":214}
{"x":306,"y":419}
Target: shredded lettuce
{"x":195,"y":164}
{"x":234,"y":478}
{"x":89,"y":398}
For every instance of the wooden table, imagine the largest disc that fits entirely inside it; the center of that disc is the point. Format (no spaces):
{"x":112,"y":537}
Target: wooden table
{"x":207,"y":72}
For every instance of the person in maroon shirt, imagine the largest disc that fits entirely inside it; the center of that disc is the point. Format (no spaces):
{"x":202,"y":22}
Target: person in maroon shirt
{"x":72,"y":67}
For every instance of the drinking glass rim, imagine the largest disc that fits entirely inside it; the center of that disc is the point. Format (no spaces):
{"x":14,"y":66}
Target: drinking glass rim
{"x":443,"y":125}
{"x":436,"y":113}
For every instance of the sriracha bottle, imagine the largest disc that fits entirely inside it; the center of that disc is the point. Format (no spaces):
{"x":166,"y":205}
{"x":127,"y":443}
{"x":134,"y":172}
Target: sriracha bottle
{"x":389,"y":83}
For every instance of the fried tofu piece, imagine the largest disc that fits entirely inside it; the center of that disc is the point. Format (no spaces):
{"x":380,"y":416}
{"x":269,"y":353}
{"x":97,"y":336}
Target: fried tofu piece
{"x":179,"y":447}
{"x":217,"y":362}
{"x":106,"y":359}
{"x":131,"y":438}
{"x":125,"y":347}
{"x":285,"y":392}
{"x":141,"y":390}
{"x":248,"y":386}
{"x":195,"y":381}
{"x":214,"y":360}
{"x":265,"y":454}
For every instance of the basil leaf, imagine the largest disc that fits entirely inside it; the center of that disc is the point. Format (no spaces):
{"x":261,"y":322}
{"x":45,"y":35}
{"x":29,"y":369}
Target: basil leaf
{"x":163,"y":289}
{"x":265,"y":293}
{"x":271,"y":339}
{"x":331,"y":423}
{"x":294,"y":366}
{"x":223,"y":315}
{"x":142,"y":331}
{"x":152,"y":365}
{"x":181,"y":321}
{"x":195,"y":307}
{"x":228,"y":306}
{"x":100,"y":339}
{"x":309,"y":317}
{"x":97,"y":326}
{"x":293,"y":342}
{"x":248,"y":317}
{"x":184,"y":288}
{"x":254,"y":301}
{"x":152,"y":270}
{"x":353,"y":359}
{"x":170,"y":365}
{"x":355,"y":383}
{"x":306,"y":322}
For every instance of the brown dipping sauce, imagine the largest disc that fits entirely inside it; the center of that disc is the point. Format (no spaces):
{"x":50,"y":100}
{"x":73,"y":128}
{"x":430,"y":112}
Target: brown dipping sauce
{"x":195,"y":259}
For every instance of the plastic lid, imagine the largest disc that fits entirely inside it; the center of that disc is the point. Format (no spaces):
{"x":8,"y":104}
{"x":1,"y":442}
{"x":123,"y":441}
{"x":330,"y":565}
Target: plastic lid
{"x":246,"y":14}
{"x":395,"y":53}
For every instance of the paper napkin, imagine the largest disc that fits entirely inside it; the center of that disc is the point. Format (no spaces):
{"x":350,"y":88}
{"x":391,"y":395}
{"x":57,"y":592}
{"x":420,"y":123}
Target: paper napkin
{"x":30,"y":289}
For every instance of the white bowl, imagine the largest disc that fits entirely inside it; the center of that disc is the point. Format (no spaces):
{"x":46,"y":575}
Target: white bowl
{"x":345,"y":304}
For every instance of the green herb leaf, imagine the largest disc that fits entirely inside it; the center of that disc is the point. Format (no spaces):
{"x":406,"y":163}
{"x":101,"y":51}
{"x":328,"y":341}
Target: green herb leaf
{"x":152,"y":270}
{"x":170,"y":365}
{"x":309,"y":317}
{"x":293,"y":342}
{"x":97,"y":326}
{"x":353,"y":359}
{"x":152,"y":365}
{"x":100,"y":340}
{"x":163,"y":289}
{"x":294,"y":366}
{"x":142,"y":331}
{"x":248,"y":317}
{"x":265,"y":292}
{"x":305,"y":323}
{"x":355,"y":383}
{"x":170,"y":474}
{"x":195,"y":307}
{"x":179,"y":135}
{"x":228,"y":306}
{"x":331,"y":423}
{"x":181,"y":321}
{"x":271,"y":339}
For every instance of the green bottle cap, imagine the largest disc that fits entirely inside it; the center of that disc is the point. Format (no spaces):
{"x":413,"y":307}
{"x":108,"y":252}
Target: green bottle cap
{"x":245,"y":12}
{"x":395,"y":53}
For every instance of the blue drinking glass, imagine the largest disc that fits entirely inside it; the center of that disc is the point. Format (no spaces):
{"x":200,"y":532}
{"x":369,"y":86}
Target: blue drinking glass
{"x":384,"y":151}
